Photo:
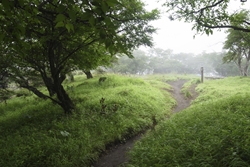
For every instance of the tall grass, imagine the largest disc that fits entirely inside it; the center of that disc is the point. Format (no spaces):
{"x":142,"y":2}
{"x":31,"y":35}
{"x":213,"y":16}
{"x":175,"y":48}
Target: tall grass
{"x":36,"y":133}
{"x":213,"y":132}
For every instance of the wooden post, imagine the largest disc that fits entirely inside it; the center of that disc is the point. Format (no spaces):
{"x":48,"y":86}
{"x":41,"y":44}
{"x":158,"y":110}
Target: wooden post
{"x":202,"y":74}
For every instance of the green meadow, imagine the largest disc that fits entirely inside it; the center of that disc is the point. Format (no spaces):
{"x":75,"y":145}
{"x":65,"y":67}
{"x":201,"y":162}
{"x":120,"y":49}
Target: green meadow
{"x":213,"y":132}
{"x":36,"y":133}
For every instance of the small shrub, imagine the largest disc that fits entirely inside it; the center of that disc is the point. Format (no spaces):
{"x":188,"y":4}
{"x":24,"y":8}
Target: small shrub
{"x":187,"y":94}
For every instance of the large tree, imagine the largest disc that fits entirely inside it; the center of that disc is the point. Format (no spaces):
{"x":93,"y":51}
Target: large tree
{"x":237,"y":45}
{"x":44,"y":38}
{"x":238,"y":50}
{"x":206,"y":14}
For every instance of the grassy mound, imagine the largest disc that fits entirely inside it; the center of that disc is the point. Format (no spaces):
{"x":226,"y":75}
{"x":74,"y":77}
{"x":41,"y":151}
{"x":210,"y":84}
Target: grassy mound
{"x":37,"y":133}
{"x":214,"y":133}
{"x":222,"y":88}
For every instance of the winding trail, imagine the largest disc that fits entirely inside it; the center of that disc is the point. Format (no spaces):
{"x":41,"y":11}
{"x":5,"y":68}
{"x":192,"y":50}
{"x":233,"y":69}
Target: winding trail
{"x":116,"y":156}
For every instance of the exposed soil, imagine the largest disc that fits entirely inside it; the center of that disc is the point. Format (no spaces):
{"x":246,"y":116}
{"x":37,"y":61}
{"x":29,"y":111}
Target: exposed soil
{"x":116,"y":156}
{"x":182,"y":101}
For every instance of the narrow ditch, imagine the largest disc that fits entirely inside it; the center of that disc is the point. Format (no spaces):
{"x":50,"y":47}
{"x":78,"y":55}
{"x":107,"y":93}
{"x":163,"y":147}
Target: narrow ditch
{"x":117,"y":156}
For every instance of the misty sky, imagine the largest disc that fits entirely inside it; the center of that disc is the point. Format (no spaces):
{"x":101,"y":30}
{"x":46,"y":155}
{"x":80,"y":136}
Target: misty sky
{"x":178,"y":36}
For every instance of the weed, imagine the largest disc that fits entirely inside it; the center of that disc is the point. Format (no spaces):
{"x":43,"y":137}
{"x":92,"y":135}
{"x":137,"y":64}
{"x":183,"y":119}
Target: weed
{"x":102,"y":79}
{"x":187,"y":94}
{"x":103,"y":106}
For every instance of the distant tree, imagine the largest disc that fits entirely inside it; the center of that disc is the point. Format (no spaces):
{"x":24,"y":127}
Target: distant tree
{"x":206,"y":15}
{"x":191,"y":64}
{"x":168,"y":66}
{"x":45,"y":37}
{"x":161,"y":53}
{"x":226,"y":69}
{"x":136,"y":65}
{"x":213,"y":63}
{"x":165,"y":61}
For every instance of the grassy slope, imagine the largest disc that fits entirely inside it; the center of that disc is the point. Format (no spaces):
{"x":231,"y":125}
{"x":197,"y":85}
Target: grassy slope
{"x":222,"y":88}
{"x":214,"y":132}
{"x":36,"y":133}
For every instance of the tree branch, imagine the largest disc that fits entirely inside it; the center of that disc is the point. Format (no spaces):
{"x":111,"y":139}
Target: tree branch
{"x":78,"y":48}
{"x":223,"y":26}
{"x":207,"y":7}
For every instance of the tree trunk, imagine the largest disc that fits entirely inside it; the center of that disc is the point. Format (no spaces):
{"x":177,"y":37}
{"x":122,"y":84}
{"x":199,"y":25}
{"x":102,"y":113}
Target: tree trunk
{"x":245,"y":70}
{"x":65,"y":101}
{"x":53,"y":80}
{"x":239,"y":65}
{"x":63,"y":98}
{"x":88,"y":74}
{"x":247,"y":63}
{"x":54,"y":87}
{"x":49,"y":84}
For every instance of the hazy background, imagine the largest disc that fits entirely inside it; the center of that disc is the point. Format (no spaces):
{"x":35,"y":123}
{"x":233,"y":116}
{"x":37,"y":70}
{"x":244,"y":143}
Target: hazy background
{"x":178,"y":36}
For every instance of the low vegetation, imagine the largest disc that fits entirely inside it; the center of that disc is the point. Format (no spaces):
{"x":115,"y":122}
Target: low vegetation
{"x":214,"y":132}
{"x":170,"y":77}
{"x":222,"y":88}
{"x":36,"y":133}
{"x":187,"y":87}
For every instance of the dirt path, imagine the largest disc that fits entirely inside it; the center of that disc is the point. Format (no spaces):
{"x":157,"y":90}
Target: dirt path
{"x":116,"y":156}
{"x":182,"y":102}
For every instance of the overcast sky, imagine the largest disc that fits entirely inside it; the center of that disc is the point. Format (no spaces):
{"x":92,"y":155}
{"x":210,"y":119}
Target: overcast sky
{"x":178,"y":36}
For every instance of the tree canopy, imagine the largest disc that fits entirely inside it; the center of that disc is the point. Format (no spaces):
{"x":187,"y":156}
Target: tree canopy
{"x":46,"y":39}
{"x":237,"y":46}
{"x":207,"y":15}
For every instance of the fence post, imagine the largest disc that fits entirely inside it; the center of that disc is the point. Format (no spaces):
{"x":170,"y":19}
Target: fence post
{"x":202,"y":74}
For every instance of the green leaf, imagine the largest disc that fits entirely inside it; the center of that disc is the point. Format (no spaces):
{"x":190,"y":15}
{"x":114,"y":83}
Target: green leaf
{"x":21,"y":29}
{"x":108,"y":43}
{"x":108,"y":21}
{"x":1,"y":37}
{"x":105,"y":7}
{"x":112,"y":3}
{"x":6,"y":4}
{"x":103,"y":34}
{"x":59,"y":24}
{"x":69,"y":27}
{"x":60,"y":9}
{"x":72,"y":15}
{"x":86,"y":16}
{"x":92,"y":20}
{"x":21,"y":2}
{"x":60,"y":18}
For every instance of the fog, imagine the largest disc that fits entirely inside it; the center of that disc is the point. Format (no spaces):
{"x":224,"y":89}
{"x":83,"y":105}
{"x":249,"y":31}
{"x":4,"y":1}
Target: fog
{"x":160,"y":61}
{"x":178,"y":36}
